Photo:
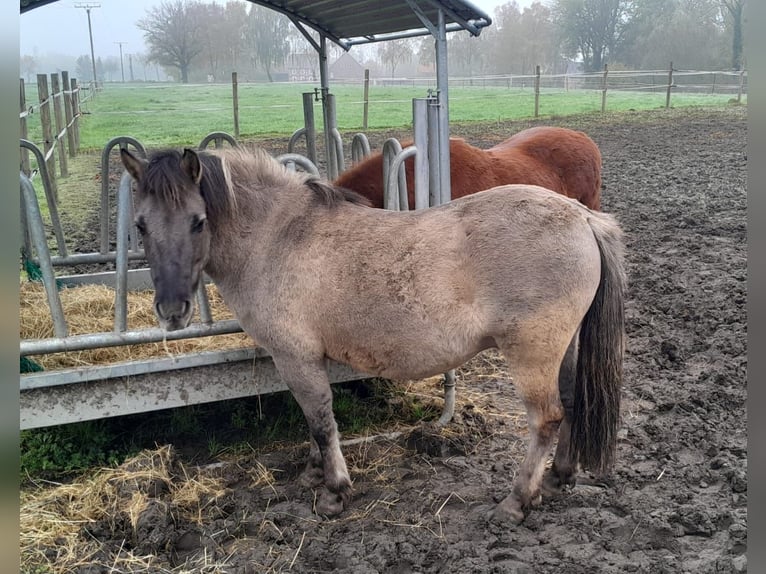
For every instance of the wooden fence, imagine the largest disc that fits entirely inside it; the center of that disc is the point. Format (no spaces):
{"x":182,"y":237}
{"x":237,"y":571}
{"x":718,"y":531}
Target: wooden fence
{"x":59,"y":109}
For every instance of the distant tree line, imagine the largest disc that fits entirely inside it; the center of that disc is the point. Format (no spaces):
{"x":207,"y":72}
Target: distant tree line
{"x":197,"y":41}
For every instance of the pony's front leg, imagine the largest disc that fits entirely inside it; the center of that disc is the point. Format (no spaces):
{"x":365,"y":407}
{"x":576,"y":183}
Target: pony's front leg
{"x":313,"y":474}
{"x":310,"y":386}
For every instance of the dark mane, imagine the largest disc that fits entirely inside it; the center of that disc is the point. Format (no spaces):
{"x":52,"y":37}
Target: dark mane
{"x":225,"y":172}
{"x":162,"y":176}
{"x":216,"y":186}
{"x":331,"y":195}
{"x":165,"y":178}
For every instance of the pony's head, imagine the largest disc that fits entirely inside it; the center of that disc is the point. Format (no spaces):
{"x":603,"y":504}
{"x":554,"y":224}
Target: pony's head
{"x":171,"y":216}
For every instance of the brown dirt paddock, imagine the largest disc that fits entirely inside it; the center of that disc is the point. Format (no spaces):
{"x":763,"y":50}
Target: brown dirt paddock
{"x":675,"y":502}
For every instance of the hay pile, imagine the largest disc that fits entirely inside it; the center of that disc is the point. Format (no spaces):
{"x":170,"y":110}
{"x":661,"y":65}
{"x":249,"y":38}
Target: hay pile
{"x":123,"y":517}
{"x":90,"y":309}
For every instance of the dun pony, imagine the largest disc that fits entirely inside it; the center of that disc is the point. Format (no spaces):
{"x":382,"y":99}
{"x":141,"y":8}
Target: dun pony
{"x":313,"y":274}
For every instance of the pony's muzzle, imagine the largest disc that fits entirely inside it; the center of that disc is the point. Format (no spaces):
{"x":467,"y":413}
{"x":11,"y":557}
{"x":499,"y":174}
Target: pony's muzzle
{"x":174,"y":315}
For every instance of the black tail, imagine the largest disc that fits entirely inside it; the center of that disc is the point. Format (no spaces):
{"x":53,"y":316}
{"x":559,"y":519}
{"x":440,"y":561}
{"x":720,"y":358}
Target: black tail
{"x":598,"y":381}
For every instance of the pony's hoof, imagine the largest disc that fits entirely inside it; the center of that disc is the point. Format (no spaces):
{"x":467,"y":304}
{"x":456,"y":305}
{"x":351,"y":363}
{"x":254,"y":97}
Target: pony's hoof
{"x":312,"y":477}
{"x":554,"y":484}
{"x":509,"y":511}
{"x":330,"y":503}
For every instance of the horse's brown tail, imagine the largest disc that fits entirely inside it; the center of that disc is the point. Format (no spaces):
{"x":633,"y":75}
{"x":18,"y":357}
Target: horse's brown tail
{"x":598,"y":380}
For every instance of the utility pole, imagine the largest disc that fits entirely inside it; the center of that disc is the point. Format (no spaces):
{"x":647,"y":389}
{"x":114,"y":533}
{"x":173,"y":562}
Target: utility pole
{"x":87,"y":8}
{"x":130,"y":63}
{"x":122,"y":67}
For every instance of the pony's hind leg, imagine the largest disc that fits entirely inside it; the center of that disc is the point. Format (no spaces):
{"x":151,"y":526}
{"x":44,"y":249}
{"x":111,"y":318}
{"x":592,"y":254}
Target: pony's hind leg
{"x":564,"y":467}
{"x":310,"y":386}
{"x":534,"y":373}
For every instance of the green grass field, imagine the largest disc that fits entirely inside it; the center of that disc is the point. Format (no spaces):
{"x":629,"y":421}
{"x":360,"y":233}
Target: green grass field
{"x":175,"y":115}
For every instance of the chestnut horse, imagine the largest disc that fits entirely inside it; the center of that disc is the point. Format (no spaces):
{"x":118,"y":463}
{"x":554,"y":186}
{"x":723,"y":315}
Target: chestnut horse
{"x":563,"y":160}
{"x":312,"y":274}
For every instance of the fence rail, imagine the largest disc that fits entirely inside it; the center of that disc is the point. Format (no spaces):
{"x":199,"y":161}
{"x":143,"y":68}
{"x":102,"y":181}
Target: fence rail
{"x":58,"y":106}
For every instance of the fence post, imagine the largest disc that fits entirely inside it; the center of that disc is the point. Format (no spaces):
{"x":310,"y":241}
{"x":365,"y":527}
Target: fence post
{"x":57,"y":96}
{"x":68,"y":114}
{"x":537,"y":90}
{"x":235,"y":98}
{"x":76,"y":112}
{"x":741,"y":85}
{"x":23,"y":128}
{"x":45,"y":120}
{"x":366,"y":107}
{"x":603,"y":89}
{"x":670,"y":85}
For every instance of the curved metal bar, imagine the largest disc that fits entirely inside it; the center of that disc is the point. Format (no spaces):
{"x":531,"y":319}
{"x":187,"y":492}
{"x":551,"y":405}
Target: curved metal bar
{"x":49,"y":199}
{"x":35,"y":222}
{"x":360,"y":147}
{"x":301,"y":160}
{"x":449,"y":398}
{"x":392,"y":199}
{"x":340,"y":160}
{"x":391,"y":148}
{"x":297,"y":134}
{"x":123,"y":142}
{"x":218,"y":138}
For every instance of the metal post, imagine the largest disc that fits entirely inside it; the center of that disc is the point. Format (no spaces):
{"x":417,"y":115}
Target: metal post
{"x":603,"y":89}
{"x":36,"y":228}
{"x":443,"y":96}
{"x":366,"y":98}
{"x":324,"y":81}
{"x":421,"y":171}
{"x":434,"y":194}
{"x":310,"y":126}
{"x":338,"y":155}
{"x":444,"y":173}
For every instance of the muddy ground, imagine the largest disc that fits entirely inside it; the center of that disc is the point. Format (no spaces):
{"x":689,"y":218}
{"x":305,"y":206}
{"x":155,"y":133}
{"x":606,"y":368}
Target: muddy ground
{"x":677,"y":498}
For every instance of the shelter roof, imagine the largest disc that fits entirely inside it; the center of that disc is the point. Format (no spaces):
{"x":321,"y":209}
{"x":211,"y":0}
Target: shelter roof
{"x":351,"y":22}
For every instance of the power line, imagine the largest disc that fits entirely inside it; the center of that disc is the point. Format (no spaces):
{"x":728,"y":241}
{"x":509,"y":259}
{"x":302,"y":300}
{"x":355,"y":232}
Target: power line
{"x":122,"y":67}
{"x":88,"y":8}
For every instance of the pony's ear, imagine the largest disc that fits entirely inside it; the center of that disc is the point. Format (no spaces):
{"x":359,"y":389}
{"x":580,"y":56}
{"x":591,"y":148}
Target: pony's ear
{"x":191,"y":165}
{"x":134,"y":165}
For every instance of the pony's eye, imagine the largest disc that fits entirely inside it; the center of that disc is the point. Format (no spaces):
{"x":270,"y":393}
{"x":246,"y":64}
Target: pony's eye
{"x":198,"y":225}
{"x":141,"y":226}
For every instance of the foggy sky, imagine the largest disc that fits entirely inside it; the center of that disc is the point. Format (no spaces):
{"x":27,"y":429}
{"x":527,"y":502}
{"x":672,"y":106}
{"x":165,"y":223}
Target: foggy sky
{"x":60,"y":28}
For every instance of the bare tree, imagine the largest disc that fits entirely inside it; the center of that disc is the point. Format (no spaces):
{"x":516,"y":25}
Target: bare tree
{"x":426,"y":52}
{"x":235,"y":29}
{"x":689,"y":33}
{"x":267,"y":34}
{"x":28,"y":66}
{"x":593,"y":28}
{"x":174,"y":32}
{"x":395,"y":52}
{"x":735,"y":9}
{"x":467,"y":53}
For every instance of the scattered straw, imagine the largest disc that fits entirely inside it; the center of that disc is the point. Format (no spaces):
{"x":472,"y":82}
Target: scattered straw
{"x":67,"y":527}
